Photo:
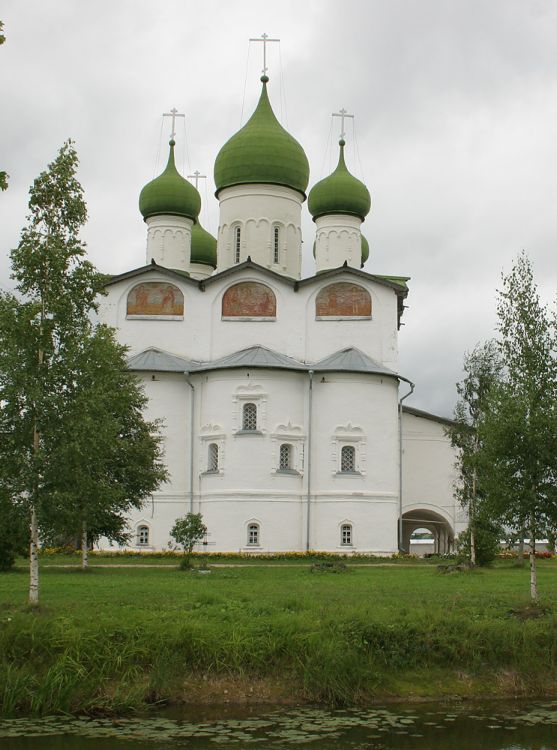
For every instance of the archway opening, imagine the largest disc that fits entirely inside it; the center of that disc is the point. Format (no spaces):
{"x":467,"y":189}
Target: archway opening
{"x":426,"y":532}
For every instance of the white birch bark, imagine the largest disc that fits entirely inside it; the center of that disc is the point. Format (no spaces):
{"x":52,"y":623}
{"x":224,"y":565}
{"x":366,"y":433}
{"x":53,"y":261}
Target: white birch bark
{"x":33,"y":559}
{"x":533,"y":570}
{"x":84,"y":547}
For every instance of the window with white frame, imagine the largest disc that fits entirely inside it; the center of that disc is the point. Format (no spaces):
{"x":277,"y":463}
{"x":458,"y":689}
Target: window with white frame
{"x":348,"y":458}
{"x":253,"y":534}
{"x":285,"y":457}
{"x":276,"y":244}
{"x":237,"y":244}
{"x":213,"y":457}
{"x":346,"y":535}
{"x":249,"y":417}
{"x":142,"y":536}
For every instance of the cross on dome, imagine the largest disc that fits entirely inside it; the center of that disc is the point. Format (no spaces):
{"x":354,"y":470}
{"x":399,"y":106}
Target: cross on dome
{"x":196,"y":176}
{"x":174,"y":114}
{"x":342,"y":114}
{"x":264,"y":38}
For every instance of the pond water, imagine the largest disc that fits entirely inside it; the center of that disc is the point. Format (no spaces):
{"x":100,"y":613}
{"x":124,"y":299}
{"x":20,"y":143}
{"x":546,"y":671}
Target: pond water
{"x":425,"y":727}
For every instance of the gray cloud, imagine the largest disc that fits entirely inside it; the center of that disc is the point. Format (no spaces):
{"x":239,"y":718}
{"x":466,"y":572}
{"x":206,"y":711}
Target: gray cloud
{"x":455,"y":104}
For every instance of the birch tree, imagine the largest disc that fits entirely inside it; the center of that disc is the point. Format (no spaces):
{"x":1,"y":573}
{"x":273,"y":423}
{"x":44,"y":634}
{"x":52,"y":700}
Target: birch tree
{"x":482,"y":369}
{"x":519,"y":432}
{"x":53,"y":462}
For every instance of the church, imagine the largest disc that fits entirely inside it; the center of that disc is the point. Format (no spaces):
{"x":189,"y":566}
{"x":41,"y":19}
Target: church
{"x":281,"y":402}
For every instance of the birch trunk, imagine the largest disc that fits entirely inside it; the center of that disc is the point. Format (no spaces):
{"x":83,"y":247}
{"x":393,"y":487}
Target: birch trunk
{"x":472,"y":512}
{"x":533,"y":571}
{"x":33,"y":559}
{"x":84,"y":547}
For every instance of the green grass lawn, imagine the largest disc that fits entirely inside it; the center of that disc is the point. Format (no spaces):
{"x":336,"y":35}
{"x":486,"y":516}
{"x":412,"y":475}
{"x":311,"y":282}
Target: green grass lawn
{"x":112,"y":638}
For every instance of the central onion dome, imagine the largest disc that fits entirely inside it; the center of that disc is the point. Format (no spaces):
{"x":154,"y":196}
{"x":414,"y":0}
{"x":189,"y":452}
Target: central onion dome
{"x":262,"y":152}
{"x":203,"y":246}
{"x":339,"y":193}
{"x":170,"y":194}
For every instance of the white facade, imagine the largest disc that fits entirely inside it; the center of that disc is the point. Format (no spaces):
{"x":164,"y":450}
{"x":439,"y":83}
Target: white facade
{"x":279,"y":396}
{"x":315,"y":418}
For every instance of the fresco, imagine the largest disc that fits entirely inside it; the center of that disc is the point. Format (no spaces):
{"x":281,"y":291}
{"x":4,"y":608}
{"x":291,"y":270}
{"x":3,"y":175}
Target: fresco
{"x":343,"y":300}
{"x":249,"y":300}
{"x":155,"y":298}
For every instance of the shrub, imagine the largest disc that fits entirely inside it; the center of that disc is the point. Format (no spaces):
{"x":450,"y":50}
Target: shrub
{"x":487,"y":538}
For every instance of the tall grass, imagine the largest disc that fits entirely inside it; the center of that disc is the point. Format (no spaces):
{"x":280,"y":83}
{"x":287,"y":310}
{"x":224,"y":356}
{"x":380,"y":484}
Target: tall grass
{"x":119,"y":639}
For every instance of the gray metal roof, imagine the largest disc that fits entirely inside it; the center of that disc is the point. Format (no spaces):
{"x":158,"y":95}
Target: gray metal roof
{"x":156,"y":360}
{"x":254,"y":356}
{"x":346,"y":360}
{"x":351,"y":360}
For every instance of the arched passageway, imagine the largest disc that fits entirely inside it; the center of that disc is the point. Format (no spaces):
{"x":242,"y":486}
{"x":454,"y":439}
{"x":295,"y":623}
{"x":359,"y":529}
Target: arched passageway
{"x":443,"y":534}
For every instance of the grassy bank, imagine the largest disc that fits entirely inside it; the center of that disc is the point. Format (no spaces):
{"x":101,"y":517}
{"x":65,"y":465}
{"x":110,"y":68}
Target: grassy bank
{"x":113,"y":639}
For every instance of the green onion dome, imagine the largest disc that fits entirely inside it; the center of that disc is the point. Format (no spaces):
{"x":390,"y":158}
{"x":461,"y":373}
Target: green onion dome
{"x":365,"y":249}
{"x":170,"y":194}
{"x":339,"y":193}
{"x":203,"y":246}
{"x":262,"y":152}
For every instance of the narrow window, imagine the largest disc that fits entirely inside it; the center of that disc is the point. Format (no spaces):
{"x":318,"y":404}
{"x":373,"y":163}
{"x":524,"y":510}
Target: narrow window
{"x":237,"y":238}
{"x":276,"y":248}
{"x":285,"y":457}
{"x":142,"y":535}
{"x":249,"y":417}
{"x":346,"y":535}
{"x":213,"y":457}
{"x":253,"y":534}
{"x":348,"y":458}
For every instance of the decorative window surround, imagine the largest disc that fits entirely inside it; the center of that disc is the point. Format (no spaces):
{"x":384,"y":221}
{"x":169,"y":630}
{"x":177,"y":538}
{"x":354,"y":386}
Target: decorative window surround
{"x":211,"y":433}
{"x":291,"y":435}
{"x":348,"y":435}
{"x":245,"y":394}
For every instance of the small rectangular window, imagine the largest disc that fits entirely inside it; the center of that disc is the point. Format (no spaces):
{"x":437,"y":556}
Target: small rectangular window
{"x":346,"y":535}
{"x":253,"y":534}
{"x":276,"y":245}
{"x":249,"y":417}
{"x":348,"y":458}
{"x":285,"y":457}
{"x":237,"y":244}
{"x":213,"y":458}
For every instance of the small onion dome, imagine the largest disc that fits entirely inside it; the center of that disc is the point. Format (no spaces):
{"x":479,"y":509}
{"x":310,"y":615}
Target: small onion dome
{"x":170,"y":194}
{"x":339,"y":193}
{"x":262,"y":152}
{"x":365,"y":250}
{"x":203,"y":246}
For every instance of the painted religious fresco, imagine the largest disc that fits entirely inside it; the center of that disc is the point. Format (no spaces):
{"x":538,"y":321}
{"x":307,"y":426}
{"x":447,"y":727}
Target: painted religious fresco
{"x":343,"y":300}
{"x":249,"y":300}
{"x":156,"y":298}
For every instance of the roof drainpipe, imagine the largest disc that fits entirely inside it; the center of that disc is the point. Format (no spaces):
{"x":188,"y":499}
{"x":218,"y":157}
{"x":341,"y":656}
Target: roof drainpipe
{"x":188,"y":381}
{"x":308,"y":461}
{"x":410,"y":392}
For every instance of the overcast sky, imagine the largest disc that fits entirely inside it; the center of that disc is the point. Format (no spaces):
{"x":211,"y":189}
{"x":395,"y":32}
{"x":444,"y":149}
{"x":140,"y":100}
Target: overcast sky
{"x":456,"y":132}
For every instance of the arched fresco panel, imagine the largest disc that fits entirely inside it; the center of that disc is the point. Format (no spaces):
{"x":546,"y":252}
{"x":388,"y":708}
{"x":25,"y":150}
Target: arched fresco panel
{"x":155,"y":298}
{"x":249,"y":299}
{"x":343,"y":300}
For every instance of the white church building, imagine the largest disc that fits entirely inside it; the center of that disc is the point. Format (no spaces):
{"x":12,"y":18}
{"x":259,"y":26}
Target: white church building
{"x":280,"y":396}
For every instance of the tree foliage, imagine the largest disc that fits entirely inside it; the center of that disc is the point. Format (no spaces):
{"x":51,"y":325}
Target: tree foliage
{"x":519,"y":431}
{"x":75,"y":449}
{"x":483,"y":370}
{"x":188,"y":531}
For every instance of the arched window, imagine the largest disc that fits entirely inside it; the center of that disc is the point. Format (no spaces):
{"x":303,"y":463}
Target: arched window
{"x":348,"y":458}
{"x":346,"y":535}
{"x":237,"y":244}
{"x":142,"y":536}
{"x":213,"y":458}
{"x":253,"y":535}
{"x":249,"y":417}
{"x":276,"y":244}
{"x":285,"y":457}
